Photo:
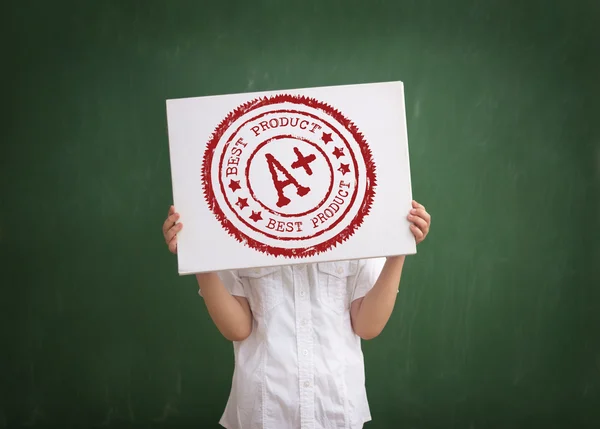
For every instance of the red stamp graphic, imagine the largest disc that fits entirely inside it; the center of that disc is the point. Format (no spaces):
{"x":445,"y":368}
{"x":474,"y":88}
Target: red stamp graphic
{"x":288,"y":176}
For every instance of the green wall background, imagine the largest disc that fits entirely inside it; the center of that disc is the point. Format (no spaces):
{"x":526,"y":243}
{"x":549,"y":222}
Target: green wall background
{"x":498,"y":319}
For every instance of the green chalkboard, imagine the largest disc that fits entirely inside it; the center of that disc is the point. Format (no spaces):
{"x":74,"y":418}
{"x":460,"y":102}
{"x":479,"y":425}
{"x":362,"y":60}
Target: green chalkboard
{"x":497,"y":324}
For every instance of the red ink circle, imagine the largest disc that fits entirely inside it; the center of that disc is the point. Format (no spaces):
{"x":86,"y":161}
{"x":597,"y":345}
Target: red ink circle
{"x":248,"y":211}
{"x":278,"y":237}
{"x":249,"y":183}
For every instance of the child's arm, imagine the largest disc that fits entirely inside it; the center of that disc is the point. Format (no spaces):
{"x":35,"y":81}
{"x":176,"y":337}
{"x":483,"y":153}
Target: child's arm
{"x":370,"y":313}
{"x":230,"y":313}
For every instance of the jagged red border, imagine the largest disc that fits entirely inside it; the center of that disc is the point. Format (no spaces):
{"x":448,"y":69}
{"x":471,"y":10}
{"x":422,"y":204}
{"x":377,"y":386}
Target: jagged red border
{"x":239,"y":236}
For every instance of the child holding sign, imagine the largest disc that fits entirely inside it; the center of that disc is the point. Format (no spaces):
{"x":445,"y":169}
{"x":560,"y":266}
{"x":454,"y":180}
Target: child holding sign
{"x":296,"y":332}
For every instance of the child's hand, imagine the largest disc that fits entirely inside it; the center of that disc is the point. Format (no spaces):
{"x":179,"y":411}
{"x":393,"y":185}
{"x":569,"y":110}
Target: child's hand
{"x":170,"y":229}
{"x":420,"y":221}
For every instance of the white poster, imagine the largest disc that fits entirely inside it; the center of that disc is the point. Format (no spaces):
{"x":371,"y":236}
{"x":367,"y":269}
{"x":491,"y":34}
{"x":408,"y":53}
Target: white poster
{"x":291,"y":176}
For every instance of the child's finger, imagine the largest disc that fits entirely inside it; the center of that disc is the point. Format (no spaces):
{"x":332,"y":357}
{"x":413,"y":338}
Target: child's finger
{"x":416,"y":232}
{"x":420,"y":212}
{"x":420,"y":222}
{"x":416,"y":205}
{"x":173,"y":245}
{"x":173,"y":232}
{"x":169,"y":222}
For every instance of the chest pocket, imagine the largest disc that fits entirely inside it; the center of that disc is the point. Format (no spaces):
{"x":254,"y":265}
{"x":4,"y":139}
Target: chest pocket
{"x":335,"y":281}
{"x":266,"y":289}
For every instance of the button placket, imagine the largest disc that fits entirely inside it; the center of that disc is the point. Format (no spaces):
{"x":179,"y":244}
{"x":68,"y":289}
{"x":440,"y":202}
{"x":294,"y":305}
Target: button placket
{"x":304,"y":345}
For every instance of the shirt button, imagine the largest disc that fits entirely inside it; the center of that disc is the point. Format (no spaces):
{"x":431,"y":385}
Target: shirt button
{"x":302,"y":293}
{"x":340,"y":270}
{"x":306,"y":384}
{"x":304,"y":322}
{"x":305,"y":352}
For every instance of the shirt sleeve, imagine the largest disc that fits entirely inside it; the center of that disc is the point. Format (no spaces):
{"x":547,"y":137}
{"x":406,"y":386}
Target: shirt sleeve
{"x":232,"y":283}
{"x":366,"y":276}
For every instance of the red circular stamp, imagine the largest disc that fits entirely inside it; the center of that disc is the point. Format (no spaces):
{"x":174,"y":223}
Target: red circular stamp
{"x":288,"y":176}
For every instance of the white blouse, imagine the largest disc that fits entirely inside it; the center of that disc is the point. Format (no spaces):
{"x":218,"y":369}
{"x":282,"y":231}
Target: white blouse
{"x":302,"y":366}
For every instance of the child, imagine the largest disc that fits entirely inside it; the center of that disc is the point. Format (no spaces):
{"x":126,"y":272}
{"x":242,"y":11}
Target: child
{"x":296,"y":333}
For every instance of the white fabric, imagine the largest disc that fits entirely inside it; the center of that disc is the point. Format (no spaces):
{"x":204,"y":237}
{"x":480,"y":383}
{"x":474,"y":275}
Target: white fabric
{"x":302,"y":366}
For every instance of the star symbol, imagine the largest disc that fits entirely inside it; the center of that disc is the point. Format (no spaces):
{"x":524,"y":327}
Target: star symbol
{"x":338,"y":152}
{"x":326,"y":138}
{"x":242,"y":203}
{"x":234,"y":185}
{"x":256,"y":216}
{"x":344,"y":168}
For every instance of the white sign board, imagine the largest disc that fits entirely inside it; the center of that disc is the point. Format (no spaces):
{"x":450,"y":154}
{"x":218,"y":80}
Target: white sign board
{"x":292,"y":176}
